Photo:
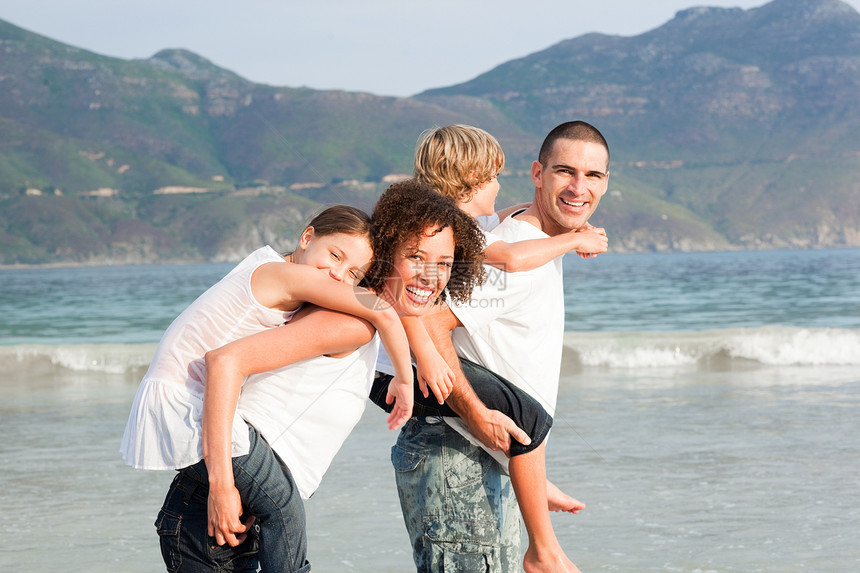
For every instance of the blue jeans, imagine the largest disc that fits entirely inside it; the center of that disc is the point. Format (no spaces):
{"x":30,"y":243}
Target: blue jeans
{"x":460,"y":510}
{"x":277,"y":542}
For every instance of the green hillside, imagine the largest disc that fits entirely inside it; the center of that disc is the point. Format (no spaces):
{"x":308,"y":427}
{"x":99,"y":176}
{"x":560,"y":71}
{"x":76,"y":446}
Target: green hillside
{"x":729,"y":128}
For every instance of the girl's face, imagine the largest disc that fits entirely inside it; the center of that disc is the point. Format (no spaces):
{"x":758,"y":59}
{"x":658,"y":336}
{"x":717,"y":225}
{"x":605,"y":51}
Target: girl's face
{"x":420,"y":271}
{"x":344,"y":257}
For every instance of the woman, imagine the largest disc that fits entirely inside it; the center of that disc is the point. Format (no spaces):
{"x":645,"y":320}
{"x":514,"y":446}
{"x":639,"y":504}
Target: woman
{"x":317,"y":372}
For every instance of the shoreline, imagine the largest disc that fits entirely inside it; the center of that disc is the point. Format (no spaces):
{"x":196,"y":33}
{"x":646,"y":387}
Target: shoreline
{"x":75,"y":265}
{"x":177,"y":262}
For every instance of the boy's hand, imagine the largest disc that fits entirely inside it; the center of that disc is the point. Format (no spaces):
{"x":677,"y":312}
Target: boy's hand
{"x":436,"y":374}
{"x":401,"y":395}
{"x":592,"y":241}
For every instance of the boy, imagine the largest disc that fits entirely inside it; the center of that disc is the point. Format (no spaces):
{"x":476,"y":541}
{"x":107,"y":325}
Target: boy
{"x":463,"y":162}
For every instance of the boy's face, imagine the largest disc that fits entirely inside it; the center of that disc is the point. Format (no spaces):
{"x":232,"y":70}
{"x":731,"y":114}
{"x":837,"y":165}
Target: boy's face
{"x":483,"y":200}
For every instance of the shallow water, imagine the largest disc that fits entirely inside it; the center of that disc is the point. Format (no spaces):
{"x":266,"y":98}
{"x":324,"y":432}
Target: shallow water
{"x":709,"y":432}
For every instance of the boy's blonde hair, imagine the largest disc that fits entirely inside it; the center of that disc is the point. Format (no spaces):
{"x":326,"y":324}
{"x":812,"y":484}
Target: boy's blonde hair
{"x":457,"y":158}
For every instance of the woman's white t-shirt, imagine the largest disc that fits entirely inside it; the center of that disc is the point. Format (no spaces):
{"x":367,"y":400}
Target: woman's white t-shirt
{"x":306,"y":410}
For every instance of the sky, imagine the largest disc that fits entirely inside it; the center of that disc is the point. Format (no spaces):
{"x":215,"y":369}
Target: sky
{"x":385,"y":47}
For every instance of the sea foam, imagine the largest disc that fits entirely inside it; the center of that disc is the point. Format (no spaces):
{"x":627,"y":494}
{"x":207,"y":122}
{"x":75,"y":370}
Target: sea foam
{"x":109,"y":358}
{"x":768,"y":345}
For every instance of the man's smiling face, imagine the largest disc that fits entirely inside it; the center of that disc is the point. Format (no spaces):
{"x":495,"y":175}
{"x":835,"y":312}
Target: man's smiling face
{"x":569,"y":185}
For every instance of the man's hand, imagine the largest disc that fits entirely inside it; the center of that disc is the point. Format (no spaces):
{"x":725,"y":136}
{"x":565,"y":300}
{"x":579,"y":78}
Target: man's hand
{"x":224,"y":511}
{"x":495,"y":430}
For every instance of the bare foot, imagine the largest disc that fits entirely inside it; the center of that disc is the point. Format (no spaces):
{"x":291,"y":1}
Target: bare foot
{"x":557,"y":500}
{"x":555,"y":562}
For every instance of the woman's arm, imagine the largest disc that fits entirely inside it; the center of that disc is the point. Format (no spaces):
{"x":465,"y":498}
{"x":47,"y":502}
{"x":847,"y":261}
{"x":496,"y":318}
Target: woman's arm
{"x":313,"y":332}
{"x":278,"y":282}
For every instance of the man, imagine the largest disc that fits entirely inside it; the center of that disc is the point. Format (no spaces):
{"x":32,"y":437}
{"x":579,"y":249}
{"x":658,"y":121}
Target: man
{"x":459,"y":507}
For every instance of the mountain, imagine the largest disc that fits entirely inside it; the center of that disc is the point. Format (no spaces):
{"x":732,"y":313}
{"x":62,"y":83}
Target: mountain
{"x":174,"y":158}
{"x":748,"y":119}
{"x":729,"y":128}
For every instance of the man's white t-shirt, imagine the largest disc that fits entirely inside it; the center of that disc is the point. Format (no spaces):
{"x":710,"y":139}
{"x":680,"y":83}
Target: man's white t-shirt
{"x":514,"y":322}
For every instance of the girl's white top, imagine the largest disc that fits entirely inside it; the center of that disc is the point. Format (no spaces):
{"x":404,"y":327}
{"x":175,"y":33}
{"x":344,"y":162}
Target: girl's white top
{"x":164,"y":427}
{"x":306,"y":410}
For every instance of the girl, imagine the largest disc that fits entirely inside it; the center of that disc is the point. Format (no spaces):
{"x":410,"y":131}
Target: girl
{"x":165,"y":429}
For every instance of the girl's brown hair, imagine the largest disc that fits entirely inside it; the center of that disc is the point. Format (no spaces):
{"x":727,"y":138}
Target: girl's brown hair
{"x":341,"y":219}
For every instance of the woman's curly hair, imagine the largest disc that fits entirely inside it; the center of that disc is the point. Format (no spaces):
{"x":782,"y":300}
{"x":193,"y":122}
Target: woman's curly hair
{"x":403,"y":213}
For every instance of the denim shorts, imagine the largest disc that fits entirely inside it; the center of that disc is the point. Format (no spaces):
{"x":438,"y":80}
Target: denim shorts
{"x":276,"y":542}
{"x":460,"y":510}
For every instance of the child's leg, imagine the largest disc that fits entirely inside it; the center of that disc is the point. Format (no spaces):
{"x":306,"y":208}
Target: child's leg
{"x":528,"y":477}
{"x":557,"y":500}
{"x":527,"y":468}
{"x":496,"y":392}
{"x":182,"y":529}
{"x":527,"y":463}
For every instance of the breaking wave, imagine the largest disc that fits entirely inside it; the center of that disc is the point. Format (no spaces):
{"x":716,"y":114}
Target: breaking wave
{"x":109,"y":358}
{"x":769,"y":345}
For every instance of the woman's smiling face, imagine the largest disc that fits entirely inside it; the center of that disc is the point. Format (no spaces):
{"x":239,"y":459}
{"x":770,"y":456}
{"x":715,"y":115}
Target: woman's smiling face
{"x":420,"y":271}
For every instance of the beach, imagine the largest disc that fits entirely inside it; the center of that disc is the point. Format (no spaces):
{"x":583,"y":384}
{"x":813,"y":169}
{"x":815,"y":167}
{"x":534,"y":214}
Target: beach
{"x":707,"y":416}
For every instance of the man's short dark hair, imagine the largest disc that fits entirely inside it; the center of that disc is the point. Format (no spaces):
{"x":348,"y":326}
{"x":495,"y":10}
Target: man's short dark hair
{"x":574,"y":130}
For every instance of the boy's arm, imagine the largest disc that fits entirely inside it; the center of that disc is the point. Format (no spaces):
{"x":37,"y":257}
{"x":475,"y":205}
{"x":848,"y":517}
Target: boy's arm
{"x":533,"y":253}
{"x":432,"y":369}
{"x":493,"y":428}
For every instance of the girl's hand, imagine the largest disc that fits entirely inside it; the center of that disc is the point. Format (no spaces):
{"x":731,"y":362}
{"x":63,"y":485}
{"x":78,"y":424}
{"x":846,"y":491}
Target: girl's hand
{"x":435,"y":373}
{"x":401,"y":394}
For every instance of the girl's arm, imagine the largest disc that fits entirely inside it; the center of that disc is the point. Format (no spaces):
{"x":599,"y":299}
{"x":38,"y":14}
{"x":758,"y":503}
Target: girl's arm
{"x":318,"y":332}
{"x":295,"y":283}
{"x":533,"y":253}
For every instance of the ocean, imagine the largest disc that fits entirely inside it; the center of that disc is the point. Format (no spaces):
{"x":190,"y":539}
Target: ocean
{"x":708,"y":415}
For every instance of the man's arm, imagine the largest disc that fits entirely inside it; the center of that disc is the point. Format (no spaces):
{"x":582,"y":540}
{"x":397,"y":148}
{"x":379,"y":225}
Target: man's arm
{"x":493,"y":428}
